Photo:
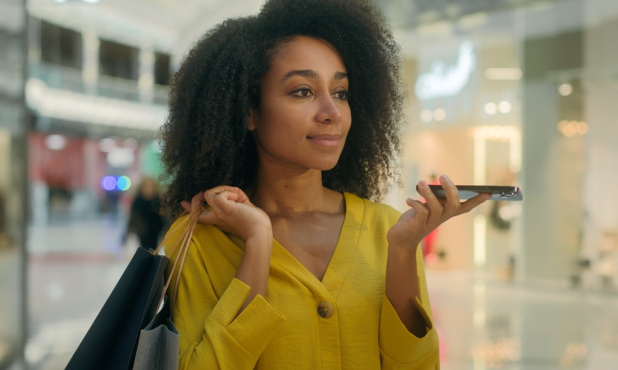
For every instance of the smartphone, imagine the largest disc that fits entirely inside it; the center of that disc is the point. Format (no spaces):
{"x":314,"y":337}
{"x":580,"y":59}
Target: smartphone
{"x":470,"y":191}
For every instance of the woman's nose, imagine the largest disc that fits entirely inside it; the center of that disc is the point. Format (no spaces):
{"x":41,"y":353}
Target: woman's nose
{"x":329,"y":111}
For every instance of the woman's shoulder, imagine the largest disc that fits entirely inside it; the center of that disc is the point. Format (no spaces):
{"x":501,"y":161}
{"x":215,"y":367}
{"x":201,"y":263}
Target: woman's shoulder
{"x":201,"y":233}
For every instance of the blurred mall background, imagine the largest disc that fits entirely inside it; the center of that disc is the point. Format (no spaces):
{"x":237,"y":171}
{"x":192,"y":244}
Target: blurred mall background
{"x":501,"y":92}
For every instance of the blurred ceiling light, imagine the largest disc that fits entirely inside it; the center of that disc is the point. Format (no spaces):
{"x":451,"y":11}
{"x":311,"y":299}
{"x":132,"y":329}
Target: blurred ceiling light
{"x":107,"y":144}
{"x":506,"y":74}
{"x":496,"y":133}
{"x":55,"y":142}
{"x":504,"y":106}
{"x":426,"y":116}
{"x":108,"y":183}
{"x":490,"y":108}
{"x":123,"y":183}
{"x":439,"y":114}
{"x":120,"y":157}
{"x":572,"y":128}
{"x":60,"y":1}
{"x":91,"y":1}
{"x":565,"y":89}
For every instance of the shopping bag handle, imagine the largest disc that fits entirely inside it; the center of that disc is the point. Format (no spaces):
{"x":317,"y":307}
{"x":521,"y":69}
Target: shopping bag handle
{"x":184,"y":240}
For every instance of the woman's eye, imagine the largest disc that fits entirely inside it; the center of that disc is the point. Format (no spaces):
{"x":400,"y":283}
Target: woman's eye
{"x":303,"y":93}
{"x":343,"y":95}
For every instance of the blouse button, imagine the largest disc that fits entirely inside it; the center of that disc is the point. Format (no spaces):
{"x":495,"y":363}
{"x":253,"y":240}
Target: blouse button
{"x":326,"y":309}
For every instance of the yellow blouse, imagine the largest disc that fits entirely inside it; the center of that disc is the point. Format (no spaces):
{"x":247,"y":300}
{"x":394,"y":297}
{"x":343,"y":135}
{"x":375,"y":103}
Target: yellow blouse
{"x":285,"y":329}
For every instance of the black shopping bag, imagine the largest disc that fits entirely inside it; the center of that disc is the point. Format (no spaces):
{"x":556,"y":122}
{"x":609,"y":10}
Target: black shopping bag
{"x":111,"y":341}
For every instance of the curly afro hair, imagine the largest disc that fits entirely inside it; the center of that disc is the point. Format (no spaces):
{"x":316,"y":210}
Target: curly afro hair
{"x":205,"y":140}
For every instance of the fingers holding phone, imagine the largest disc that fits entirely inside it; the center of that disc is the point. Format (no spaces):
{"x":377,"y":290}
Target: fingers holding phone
{"x":423,"y":218}
{"x":440,"y":209}
{"x":474,"y":195}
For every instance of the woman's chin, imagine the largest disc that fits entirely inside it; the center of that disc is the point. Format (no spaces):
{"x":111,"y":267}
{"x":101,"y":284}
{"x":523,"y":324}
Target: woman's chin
{"x":324,"y":165}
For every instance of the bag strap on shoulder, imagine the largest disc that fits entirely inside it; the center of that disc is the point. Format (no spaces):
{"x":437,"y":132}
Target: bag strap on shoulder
{"x":184,"y":240}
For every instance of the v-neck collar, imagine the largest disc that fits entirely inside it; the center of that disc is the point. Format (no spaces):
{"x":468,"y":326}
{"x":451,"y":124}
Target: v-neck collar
{"x":341,"y":260}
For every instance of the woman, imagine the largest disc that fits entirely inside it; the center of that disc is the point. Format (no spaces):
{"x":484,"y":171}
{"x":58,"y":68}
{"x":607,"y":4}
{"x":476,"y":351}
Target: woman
{"x":290,"y":122}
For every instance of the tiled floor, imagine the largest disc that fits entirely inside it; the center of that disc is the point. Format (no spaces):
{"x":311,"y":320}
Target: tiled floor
{"x":482,"y":324}
{"x":492,"y":325}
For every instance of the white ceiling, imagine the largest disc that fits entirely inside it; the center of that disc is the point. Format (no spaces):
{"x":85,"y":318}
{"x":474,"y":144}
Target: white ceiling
{"x":168,"y":25}
{"x":173,"y":25}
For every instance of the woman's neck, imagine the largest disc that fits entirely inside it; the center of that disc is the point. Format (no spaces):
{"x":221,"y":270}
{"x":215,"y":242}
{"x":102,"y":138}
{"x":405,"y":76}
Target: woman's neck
{"x":288,"y":192}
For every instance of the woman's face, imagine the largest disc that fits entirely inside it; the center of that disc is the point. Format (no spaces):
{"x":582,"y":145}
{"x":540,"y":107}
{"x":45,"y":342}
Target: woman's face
{"x":304,"y":116}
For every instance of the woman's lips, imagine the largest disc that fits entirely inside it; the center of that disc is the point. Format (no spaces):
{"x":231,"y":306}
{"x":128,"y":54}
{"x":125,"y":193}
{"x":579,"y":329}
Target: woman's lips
{"x":325,"y":140}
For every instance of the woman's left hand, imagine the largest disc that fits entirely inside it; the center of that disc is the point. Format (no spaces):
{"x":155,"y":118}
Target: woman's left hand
{"x":423,"y":218}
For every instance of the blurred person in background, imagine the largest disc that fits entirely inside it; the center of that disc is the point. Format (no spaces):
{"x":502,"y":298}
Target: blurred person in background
{"x":145,"y":219}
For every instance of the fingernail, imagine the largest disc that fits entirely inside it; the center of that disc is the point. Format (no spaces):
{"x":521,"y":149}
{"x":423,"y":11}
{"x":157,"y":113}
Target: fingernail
{"x":409,"y":200}
{"x":423,"y":184}
{"x":445,"y":178}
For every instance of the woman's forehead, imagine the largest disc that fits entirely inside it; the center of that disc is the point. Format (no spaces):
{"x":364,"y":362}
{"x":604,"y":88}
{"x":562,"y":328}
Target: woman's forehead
{"x":307,"y":53}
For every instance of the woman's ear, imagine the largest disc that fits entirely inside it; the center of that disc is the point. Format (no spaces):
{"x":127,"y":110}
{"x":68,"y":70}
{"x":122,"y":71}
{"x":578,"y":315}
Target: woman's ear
{"x":251,"y":120}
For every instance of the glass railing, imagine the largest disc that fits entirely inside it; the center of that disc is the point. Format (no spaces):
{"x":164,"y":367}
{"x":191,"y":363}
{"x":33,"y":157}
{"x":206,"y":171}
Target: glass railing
{"x":70,"y":79}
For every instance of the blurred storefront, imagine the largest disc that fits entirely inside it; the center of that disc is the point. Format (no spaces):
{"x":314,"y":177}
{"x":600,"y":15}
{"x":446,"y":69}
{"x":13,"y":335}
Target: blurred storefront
{"x":97,"y":104}
{"x":517,"y":93}
{"x":96,"y":94}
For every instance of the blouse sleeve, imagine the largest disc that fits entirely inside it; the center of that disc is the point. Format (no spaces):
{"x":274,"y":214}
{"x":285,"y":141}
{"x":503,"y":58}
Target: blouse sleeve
{"x":211,"y":336}
{"x":400,"y":349}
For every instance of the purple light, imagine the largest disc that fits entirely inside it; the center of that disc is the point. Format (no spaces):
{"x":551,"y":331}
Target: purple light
{"x":108,"y":183}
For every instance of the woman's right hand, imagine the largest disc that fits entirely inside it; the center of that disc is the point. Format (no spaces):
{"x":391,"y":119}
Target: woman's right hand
{"x":231,"y":212}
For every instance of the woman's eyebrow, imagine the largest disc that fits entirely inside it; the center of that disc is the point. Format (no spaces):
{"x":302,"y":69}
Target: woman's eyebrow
{"x":340,"y":75}
{"x":309,"y":73}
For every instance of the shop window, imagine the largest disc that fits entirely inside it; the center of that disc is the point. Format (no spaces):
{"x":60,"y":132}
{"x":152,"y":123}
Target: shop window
{"x":162,"y":69}
{"x":61,"y":46}
{"x":118,"y":60}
